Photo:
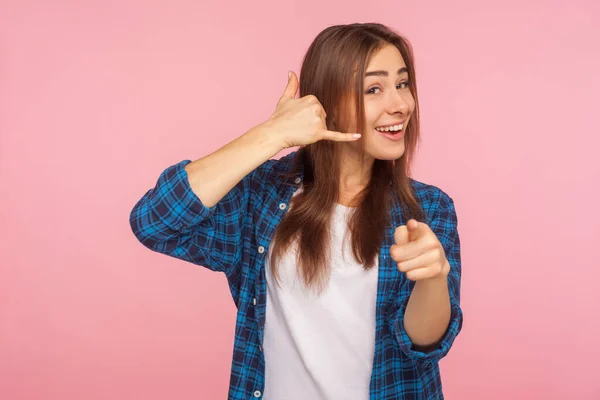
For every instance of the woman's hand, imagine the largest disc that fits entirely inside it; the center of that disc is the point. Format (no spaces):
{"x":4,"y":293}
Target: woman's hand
{"x":418,"y":252}
{"x":299,"y":122}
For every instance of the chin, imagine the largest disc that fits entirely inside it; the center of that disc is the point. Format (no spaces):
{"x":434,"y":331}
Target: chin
{"x":387,"y":154}
{"x":389,"y":157}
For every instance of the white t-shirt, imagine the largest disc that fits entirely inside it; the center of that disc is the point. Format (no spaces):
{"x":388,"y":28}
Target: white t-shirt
{"x":320,"y":346}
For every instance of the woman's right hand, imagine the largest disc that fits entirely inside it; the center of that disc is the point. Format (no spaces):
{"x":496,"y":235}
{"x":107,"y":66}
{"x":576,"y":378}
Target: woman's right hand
{"x":299,"y":122}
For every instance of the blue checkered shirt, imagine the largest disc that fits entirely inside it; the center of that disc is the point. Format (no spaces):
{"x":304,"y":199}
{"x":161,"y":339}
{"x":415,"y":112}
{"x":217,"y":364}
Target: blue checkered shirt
{"x":233,"y":237}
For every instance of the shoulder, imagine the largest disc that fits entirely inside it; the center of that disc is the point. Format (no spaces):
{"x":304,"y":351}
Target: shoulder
{"x":276,"y":170}
{"x":269,"y":177}
{"x":432,"y":199}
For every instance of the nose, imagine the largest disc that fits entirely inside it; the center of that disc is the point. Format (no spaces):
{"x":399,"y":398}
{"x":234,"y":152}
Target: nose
{"x":397,"y":103}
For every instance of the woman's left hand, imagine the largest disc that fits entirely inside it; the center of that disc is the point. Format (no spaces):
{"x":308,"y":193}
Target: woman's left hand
{"x":418,"y":252}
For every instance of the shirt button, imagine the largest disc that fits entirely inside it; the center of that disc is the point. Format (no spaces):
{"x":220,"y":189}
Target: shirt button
{"x":282,"y":206}
{"x":261,"y":249}
{"x":260,"y":348}
{"x":298,"y":180}
{"x":254,"y":301}
{"x":257,"y":393}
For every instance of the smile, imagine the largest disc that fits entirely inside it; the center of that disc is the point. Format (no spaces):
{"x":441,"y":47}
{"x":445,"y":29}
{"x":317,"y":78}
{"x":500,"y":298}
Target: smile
{"x":390,"y":128}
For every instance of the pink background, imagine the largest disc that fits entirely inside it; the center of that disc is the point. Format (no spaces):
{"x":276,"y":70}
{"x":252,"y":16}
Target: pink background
{"x":98,"y":97}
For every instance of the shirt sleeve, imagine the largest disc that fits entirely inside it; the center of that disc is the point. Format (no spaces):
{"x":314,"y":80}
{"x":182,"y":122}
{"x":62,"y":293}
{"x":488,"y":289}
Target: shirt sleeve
{"x":444,"y":223}
{"x":172,"y":220}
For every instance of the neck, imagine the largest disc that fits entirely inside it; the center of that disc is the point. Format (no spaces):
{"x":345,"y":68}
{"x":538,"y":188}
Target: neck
{"x":355,"y":174}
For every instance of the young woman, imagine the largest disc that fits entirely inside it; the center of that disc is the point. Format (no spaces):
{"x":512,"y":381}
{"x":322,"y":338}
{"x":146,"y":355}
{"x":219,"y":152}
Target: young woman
{"x":345,"y":271}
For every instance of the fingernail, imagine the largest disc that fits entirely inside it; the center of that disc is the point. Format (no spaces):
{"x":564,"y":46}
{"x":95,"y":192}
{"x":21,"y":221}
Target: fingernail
{"x":289,"y":74}
{"x":356,"y":135}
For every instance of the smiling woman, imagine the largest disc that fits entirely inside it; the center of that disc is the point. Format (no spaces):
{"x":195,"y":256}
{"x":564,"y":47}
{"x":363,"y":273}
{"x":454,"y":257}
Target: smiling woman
{"x":345,"y":270}
{"x":380,"y":82}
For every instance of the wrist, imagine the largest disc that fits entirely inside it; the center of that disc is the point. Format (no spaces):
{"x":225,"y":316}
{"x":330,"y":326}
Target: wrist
{"x":438,"y":280}
{"x":267,"y":137}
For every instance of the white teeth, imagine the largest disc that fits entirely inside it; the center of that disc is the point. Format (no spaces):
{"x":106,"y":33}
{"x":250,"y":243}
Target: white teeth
{"x":390,"y":128}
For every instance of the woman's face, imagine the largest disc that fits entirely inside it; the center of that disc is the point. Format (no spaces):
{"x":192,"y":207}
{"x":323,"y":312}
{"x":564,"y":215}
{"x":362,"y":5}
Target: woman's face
{"x":389,"y":105}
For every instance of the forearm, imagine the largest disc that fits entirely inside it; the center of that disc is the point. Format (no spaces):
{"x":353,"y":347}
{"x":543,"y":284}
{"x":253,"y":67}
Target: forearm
{"x":427,"y":313}
{"x":213,"y":176}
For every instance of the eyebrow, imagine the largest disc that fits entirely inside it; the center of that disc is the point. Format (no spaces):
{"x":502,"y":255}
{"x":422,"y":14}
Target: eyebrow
{"x":384,"y":73}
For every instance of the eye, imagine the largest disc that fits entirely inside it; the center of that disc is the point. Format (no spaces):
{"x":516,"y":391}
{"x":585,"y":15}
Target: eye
{"x":401,"y":85}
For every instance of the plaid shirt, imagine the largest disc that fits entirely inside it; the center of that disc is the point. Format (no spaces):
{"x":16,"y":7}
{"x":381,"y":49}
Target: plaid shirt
{"x":233,"y":237}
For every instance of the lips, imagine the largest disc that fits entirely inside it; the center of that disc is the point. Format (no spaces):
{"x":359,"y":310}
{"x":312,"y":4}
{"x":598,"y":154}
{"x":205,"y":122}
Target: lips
{"x":393,"y":124}
{"x":393,"y":136}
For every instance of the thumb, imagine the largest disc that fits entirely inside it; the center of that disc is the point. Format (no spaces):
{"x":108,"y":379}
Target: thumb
{"x":291,"y":89}
{"x":401,"y":236}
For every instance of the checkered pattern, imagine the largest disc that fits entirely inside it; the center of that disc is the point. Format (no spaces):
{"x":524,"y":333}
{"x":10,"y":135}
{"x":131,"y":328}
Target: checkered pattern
{"x":233,"y":237}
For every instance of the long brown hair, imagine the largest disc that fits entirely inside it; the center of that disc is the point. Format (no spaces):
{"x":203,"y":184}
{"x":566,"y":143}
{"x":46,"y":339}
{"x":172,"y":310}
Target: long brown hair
{"x":335,"y":61}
